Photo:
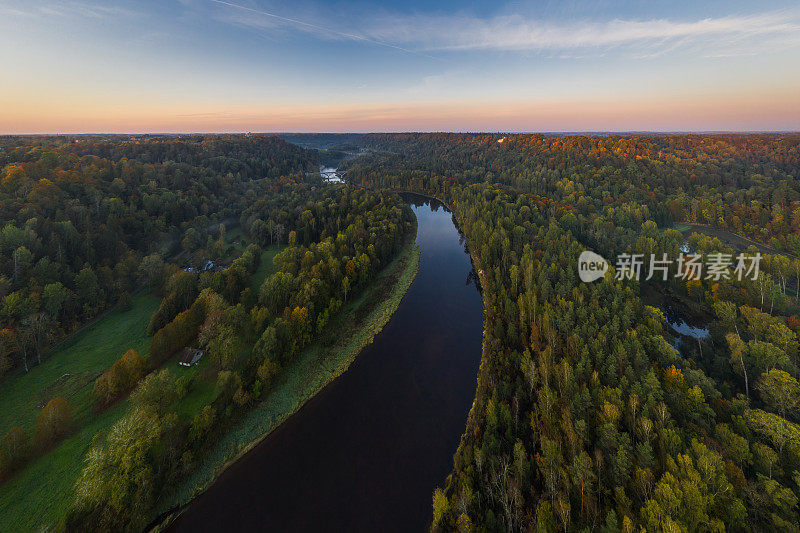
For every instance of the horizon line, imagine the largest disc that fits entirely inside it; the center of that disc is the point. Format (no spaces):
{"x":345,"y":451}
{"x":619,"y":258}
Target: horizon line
{"x":398,"y":132}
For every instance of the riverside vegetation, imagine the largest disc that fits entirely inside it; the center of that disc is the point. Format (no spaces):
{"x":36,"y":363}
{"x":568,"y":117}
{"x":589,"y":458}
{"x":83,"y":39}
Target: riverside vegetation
{"x":586,"y":417}
{"x":141,"y":423}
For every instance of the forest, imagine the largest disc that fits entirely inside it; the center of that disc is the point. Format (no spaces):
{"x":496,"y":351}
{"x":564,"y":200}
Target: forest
{"x":591,"y":413}
{"x":85,"y":224}
{"x":248,"y":256}
{"x":586,"y":417}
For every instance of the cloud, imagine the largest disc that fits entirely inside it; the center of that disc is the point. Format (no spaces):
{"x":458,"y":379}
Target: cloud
{"x":261,"y":18}
{"x":35,"y":9}
{"x":518,"y":33}
{"x":423,"y":33}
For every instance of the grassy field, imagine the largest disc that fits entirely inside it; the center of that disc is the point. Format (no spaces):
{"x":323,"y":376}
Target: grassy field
{"x":265,"y":267}
{"x":734,"y":240}
{"x":73,"y":366}
{"x":236,"y":242}
{"x":324,"y":360}
{"x":37,"y":497}
{"x":26,"y":502}
{"x":40,"y":492}
{"x":682,"y":227}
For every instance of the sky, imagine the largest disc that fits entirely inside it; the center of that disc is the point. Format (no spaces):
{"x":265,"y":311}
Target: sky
{"x":414,"y":65}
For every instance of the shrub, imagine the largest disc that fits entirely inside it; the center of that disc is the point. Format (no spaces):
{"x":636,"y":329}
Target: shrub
{"x":267,"y":373}
{"x":14,"y":450}
{"x":53,"y":422}
{"x":124,"y":302}
{"x":119,"y":379}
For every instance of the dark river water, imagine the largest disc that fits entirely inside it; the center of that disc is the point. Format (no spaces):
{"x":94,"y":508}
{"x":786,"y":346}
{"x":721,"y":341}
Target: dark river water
{"x":367,"y":452}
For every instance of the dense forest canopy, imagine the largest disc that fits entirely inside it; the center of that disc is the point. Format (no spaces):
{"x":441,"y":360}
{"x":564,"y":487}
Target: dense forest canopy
{"x":79,"y":215}
{"x":586,"y":417}
{"x":592,"y":412}
{"x":341,"y":240}
{"x":745,"y":183}
{"x":87,"y":223}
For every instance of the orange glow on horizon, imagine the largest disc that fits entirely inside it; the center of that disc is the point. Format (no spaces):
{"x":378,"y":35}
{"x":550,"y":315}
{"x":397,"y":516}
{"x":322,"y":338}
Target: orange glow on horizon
{"x":778,"y":111}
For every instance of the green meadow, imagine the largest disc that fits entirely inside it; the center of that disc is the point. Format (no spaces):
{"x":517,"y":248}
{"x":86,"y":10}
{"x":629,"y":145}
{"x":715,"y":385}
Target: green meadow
{"x":73,"y":365}
{"x":39,"y":494}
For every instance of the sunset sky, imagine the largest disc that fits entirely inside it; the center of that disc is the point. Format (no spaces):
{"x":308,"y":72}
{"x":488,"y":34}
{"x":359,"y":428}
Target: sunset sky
{"x":305,"y":65}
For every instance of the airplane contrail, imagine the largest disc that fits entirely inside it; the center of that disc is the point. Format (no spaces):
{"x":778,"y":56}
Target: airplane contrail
{"x":328,"y":30}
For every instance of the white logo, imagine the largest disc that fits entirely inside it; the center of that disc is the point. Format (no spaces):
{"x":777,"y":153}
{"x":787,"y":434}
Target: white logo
{"x":591,"y":266}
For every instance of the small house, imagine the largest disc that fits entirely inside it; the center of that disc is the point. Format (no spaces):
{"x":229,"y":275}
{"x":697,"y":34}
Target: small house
{"x":190,"y":356}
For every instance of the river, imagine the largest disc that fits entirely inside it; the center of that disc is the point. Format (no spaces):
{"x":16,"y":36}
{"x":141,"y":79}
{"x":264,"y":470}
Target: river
{"x":367,"y":452}
{"x":331,"y":175}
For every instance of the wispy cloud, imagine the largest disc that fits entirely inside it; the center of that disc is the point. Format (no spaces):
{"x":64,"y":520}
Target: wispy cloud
{"x":518,"y":33}
{"x":421,"y":33}
{"x":307,"y":26}
{"x":34,"y":8}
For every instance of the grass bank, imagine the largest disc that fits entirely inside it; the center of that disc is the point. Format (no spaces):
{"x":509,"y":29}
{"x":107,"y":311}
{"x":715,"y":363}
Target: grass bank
{"x":39,"y":494}
{"x":265,"y":266}
{"x":320,"y":363}
{"x":73,"y":366}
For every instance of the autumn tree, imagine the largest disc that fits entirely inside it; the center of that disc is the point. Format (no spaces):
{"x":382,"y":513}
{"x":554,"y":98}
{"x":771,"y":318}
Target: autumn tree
{"x":14,"y":450}
{"x":53,"y":422}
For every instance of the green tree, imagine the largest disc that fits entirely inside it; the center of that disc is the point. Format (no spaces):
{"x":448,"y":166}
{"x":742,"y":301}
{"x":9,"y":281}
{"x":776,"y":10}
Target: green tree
{"x":54,"y":422}
{"x":88,"y":289}
{"x":156,"y":392}
{"x":14,"y":450}
{"x":23,"y":258}
{"x":151,"y":270}
{"x":739,"y":352}
{"x":780,"y":391}
{"x":54,"y":296}
{"x":440,"y":508}
{"x":119,"y":484}
{"x":776,"y":429}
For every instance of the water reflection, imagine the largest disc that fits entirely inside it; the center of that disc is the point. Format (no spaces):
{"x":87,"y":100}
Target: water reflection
{"x":679,"y":324}
{"x":331,"y":175}
{"x":367,"y":452}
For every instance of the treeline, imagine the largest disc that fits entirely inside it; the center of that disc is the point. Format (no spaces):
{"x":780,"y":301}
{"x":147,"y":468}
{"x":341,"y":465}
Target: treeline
{"x":118,"y":380}
{"x":248,"y":339}
{"x":743,"y":183}
{"x":585,"y":417}
{"x":247,"y":157}
{"x":86,"y":221}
